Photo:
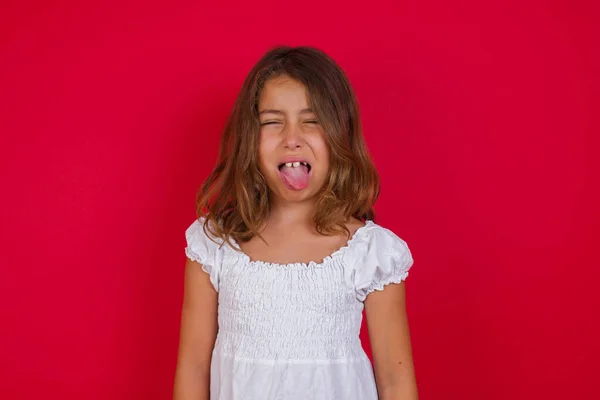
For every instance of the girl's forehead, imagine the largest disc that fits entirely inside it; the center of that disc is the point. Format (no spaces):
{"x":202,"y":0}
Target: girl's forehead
{"x":284,"y":93}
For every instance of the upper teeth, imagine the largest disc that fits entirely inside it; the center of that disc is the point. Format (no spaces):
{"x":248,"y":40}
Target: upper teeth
{"x":294,"y":164}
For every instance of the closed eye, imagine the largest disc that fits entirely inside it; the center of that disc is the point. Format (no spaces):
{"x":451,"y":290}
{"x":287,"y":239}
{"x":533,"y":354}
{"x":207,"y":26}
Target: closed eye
{"x":269,"y":123}
{"x":312,"y":121}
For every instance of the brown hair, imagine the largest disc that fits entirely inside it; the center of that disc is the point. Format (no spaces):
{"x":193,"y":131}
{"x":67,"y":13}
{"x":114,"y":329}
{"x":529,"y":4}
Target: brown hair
{"x":235,"y":197}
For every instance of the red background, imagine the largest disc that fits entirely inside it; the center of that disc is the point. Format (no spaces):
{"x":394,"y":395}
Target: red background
{"x":482,"y":119}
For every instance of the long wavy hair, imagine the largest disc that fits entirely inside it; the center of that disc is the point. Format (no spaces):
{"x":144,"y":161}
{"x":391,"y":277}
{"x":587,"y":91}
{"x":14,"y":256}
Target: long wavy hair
{"x":234,"y":200}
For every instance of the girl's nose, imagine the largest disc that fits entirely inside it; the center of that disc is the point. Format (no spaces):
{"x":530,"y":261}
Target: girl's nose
{"x":292,"y":138}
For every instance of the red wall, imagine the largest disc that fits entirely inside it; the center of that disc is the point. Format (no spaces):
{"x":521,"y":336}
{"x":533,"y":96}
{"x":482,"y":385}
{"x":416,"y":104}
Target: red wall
{"x":483,"y":121}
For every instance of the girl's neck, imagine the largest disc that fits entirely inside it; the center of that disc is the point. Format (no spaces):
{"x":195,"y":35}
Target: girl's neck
{"x":287,"y":214}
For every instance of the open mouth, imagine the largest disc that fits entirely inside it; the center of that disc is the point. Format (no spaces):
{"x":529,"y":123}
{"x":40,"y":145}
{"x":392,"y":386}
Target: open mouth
{"x":296,"y":164}
{"x":295,"y":175}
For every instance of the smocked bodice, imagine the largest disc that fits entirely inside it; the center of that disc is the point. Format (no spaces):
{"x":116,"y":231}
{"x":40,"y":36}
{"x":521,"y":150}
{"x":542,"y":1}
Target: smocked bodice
{"x":297,"y":314}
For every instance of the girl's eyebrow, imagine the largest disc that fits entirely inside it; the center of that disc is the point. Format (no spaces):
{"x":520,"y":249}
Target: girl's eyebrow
{"x":279,"y":112}
{"x":271,"y":111}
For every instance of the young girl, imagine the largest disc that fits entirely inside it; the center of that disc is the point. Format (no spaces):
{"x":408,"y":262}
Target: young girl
{"x":285,"y":255}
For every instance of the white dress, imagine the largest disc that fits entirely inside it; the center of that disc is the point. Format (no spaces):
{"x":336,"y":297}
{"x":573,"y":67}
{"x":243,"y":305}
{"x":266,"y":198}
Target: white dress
{"x":291,"y":331}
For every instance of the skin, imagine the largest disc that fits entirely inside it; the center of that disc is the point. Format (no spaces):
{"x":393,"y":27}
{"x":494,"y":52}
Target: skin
{"x":290,"y":129}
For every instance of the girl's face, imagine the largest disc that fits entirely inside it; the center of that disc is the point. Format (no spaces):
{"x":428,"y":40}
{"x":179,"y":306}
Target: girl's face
{"x":293,"y":154}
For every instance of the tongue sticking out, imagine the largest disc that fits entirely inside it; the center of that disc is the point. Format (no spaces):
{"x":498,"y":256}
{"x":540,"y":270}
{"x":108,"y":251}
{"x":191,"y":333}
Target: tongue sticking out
{"x":295,"y":178}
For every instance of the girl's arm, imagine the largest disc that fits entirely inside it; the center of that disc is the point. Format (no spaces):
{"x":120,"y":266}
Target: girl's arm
{"x":197,"y":336}
{"x":390,"y":343}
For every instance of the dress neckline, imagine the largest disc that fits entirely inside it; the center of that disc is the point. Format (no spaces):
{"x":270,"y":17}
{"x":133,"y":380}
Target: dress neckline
{"x":311,"y":264}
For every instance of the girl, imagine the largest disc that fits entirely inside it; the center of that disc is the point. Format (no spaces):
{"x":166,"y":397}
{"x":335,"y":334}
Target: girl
{"x":285,"y":254}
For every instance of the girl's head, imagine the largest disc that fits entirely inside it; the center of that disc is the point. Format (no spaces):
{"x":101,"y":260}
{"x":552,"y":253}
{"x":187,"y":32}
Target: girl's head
{"x":295,"y":106}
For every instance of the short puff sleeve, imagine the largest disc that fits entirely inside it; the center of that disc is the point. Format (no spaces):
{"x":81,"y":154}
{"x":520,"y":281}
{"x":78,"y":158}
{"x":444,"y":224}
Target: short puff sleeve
{"x":202,"y":249}
{"x":385,"y":259}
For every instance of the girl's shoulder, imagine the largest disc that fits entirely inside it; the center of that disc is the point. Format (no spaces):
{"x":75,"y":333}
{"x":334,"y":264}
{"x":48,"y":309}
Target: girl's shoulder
{"x":205,"y":249}
{"x":201,"y":243}
{"x":200,"y":227}
{"x":374,"y":236}
{"x":377,"y":257}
